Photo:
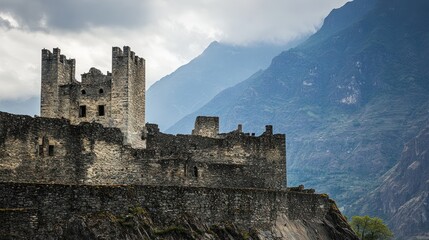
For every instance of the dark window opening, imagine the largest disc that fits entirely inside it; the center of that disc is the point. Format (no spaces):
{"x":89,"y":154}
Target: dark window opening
{"x":195,"y":171}
{"x":51,"y":150}
{"x":83,"y":91}
{"x":101,"y":91}
{"x":41,"y":150}
{"x":82,"y":111}
{"x":100,"y":110}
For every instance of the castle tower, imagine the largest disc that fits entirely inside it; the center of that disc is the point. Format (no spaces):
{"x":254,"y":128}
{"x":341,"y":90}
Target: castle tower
{"x":116,"y":99}
{"x":128,"y":94}
{"x":57,"y":70}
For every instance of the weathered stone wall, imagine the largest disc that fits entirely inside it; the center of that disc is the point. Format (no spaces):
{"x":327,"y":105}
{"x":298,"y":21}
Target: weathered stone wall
{"x":91,"y":154}
{"x":34,"y":208}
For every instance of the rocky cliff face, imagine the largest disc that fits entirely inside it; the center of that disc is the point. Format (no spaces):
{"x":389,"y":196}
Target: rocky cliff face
{"x":138,"y":224}
{"x":403,"y":197}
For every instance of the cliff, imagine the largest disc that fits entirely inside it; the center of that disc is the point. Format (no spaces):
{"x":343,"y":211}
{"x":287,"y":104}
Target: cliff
{"x":403,"y":195}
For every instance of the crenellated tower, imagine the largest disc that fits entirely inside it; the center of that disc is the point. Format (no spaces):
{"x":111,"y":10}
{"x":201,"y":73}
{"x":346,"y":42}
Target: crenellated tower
{"x":57,"y":70}
{"x":114,"y":99}
{"x":128,"y":93}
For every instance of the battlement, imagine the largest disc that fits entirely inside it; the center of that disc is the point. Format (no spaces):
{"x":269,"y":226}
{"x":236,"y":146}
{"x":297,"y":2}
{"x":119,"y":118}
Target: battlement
{"x":127,"y":53}
{"x":57,"y":57}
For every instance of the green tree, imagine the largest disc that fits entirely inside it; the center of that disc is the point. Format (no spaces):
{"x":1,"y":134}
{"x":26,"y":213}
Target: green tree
{"x":370,"y":228}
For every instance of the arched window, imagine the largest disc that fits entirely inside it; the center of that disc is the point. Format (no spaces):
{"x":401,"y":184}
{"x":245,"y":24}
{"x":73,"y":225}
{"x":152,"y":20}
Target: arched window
{"x":100,"y":91}
{"x":83,"y":91}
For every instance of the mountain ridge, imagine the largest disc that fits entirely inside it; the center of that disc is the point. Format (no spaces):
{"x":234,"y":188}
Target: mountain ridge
{"x":195,"y":83}
{"x":348,"y":101}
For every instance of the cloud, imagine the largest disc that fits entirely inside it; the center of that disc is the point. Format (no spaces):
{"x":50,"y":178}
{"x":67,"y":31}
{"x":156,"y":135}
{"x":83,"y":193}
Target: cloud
{"x":167,"y":33}
{"x":244,"y":21}
{"x":76,"y":15}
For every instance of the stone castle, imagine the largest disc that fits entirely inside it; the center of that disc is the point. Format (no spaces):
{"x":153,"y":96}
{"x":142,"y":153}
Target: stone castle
{"x":91,"y":151}
{"x":116,"y":99}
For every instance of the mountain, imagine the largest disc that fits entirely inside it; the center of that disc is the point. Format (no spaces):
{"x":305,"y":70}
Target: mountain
{"x":403,"y":197}
{"x":29,"y":106}
{"x":348,"y":98}
{"x":191,"y":86}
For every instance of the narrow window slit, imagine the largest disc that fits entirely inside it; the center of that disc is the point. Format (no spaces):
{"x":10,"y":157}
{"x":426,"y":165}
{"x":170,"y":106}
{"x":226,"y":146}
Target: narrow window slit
{"x":195,"y":171}
{"x":51,"y":150}
{"x":101,"y":110}
{"x":82,"y":111}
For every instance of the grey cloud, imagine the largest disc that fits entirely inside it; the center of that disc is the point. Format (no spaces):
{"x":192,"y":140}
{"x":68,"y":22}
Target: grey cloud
{"x":75,"y":15}
{"x":247,"y":21}
{"x":238,"y":21}
{"x":5,"y":24}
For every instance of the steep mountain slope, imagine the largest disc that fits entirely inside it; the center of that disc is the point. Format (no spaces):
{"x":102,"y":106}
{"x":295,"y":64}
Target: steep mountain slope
{"x":403,"y":196}
{"x":191,"y":86}
{"x":348,"y":98}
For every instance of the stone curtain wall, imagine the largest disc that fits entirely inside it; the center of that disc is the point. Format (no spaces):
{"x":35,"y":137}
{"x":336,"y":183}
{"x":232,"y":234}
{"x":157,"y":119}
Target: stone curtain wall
{"x":92,"y":154}
{"x":32,"y":209}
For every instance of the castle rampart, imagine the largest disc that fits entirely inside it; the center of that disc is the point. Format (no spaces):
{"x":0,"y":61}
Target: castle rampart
{"x":45,"y":150}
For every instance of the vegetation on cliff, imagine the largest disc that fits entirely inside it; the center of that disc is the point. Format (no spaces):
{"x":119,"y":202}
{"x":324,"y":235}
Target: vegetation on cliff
{"x":370,"y":228}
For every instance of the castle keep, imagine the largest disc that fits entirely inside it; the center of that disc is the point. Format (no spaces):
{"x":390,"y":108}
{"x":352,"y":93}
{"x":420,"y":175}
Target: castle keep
{"x":90,"y":153}
{"x":115,"y":99}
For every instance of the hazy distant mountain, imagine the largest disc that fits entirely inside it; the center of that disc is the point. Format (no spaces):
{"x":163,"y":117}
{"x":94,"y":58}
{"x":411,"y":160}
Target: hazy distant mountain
{"x":348,"y":99}
{"x":29,"y":106}
{"x":191,"y":86}
{"x":403,"y":197}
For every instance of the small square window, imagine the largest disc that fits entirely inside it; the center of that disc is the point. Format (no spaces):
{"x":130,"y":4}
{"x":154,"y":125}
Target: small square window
{"x":82,"y":111}
{"x":101,"y":111}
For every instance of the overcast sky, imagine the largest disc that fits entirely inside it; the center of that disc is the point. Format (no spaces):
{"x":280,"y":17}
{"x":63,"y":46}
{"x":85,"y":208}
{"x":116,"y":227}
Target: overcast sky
{"x":167,"y":33}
